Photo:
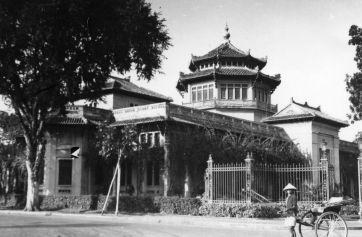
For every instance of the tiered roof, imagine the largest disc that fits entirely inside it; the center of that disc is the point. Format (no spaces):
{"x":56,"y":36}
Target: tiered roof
{"x":226,"y":62}
{"x":303,"y":112}
{"x":227,"y":73}
{"x":227,"y":50}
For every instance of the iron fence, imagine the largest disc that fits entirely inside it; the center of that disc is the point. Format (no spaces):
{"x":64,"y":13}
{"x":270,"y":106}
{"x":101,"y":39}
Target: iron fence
{"x":248,"y":182}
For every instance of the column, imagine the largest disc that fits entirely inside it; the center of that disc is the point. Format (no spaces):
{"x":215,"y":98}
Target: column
{"x":360,"y":176}
{"x":208,"y":188}
{"x":249,"y":176}
{"x":325,"y":173}
{"x":166,"y":165}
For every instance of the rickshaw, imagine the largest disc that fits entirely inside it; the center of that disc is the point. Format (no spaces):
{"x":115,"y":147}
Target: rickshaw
{"x":325,"y":221}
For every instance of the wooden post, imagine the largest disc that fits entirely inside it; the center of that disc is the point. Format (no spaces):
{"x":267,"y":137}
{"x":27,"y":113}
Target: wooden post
{"x":109,"y":190}
{"x":118,"y":185}
{"x":249,"y":176}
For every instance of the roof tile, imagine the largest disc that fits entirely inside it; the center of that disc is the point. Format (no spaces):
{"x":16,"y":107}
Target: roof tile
{"x":120,"y":84}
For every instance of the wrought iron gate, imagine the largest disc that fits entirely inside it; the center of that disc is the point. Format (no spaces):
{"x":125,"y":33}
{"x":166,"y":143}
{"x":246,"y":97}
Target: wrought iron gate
{"x":248,"y":182}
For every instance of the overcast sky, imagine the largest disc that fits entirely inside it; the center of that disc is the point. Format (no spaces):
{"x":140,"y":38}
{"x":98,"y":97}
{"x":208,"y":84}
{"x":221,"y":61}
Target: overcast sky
{"x":305,"y":41}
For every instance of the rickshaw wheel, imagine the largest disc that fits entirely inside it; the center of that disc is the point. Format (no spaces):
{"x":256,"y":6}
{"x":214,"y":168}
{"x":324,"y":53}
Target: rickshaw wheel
{"x":330,"y":224}
{"x":306,"y":224}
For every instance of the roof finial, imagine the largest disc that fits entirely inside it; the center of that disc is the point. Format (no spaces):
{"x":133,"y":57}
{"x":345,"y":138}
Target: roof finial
{"x":227,"y":35}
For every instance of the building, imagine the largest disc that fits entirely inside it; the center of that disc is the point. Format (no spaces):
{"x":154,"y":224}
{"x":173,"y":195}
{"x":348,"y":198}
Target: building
{"x":225,"y":91}
{"x":229,"y":81}
{"x":308,"y":127}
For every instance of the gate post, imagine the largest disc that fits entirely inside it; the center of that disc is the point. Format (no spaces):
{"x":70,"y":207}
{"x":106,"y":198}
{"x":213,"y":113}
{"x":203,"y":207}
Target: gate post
{"x":325,"y":172}
{"x":249,"y":175}
{"x":209,"y":177}
{"x":360,"y":176}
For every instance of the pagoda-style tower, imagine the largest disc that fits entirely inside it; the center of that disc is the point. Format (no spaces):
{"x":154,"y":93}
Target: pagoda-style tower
{"x":229,"y":81}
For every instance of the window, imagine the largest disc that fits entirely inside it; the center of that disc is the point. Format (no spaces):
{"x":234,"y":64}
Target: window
{"x":237,"y":91}
{"x":149,"y":139}
{"x":143,"y":138}
{"x":199,"y":93}
{"x":65,"y":172}
{"x":244,"y":91}
{"x":149,"y":172}
{"x":41,"y":172}
{"x":126,"y":173}
{"x":156,"y":173}
{"x":211,"y":92}
{"x":230,"y":92}
{"x":153,"y":173}
{"x":193,"y":94}
{"x":204,"y":92}
{"x":223,"y":91}
{"x":157,"y":139}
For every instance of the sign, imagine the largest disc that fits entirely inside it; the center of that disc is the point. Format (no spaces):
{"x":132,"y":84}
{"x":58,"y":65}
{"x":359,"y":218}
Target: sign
{"x":74,"y":152}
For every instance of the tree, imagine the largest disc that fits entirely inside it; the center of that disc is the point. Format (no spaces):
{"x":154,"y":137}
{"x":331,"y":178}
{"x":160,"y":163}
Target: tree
{"x":115,"y":143}
{"x":11,"y":149}
{"x":53,"y":52}
{"x":354,"y":82}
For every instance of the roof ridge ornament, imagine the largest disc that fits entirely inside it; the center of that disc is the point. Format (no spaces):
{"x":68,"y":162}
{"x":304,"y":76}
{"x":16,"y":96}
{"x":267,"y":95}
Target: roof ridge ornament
{"x":227,"y":35}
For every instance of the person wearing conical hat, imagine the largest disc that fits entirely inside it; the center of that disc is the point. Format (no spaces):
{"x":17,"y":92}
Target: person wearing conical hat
{"x":291,"y":208}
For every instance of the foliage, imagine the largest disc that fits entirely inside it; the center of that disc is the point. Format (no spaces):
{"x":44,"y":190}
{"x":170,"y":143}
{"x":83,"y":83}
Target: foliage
{"x":11,"y":152}
{"x":177,"y":205}
{"x":193,"y":146}
{"x":354,"y":82}
{"x":241,"y":210}
{"x":350,"y":210}
{"x":165,"y":205}
{"x":55,"y":52}
{"x":110,"y":140}
{"x":265,"y":149}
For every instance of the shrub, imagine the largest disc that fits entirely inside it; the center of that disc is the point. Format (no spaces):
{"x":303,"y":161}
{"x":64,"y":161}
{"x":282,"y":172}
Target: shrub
{"x":178,"y":205}
{"x":12,"y":201}
{"x":240,"y":210}
{"x":349,"y":210}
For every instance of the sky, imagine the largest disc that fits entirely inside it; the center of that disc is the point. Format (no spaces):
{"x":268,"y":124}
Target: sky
{"x":305,"y":41}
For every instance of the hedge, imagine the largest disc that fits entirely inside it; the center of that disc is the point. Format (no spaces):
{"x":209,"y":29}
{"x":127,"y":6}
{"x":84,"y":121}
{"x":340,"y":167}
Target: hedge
{"x":177,"y":205}
{"x":165,"y":205}
{"x":83,"y":202}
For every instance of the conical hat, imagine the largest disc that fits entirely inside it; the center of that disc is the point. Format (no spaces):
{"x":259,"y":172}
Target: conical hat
{"x":289,"y":186}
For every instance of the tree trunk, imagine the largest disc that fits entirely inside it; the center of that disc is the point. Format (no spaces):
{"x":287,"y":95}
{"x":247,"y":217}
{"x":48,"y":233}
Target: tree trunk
{"x":32,"y":195}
